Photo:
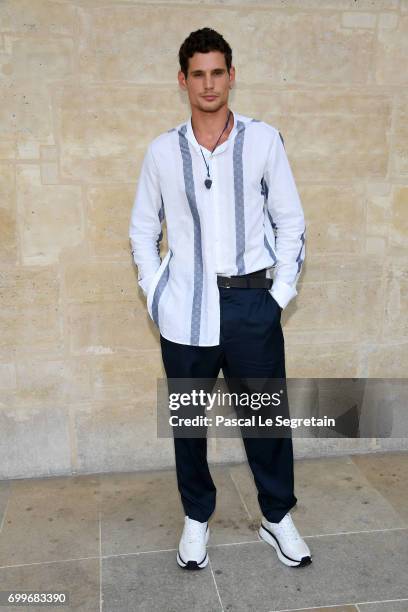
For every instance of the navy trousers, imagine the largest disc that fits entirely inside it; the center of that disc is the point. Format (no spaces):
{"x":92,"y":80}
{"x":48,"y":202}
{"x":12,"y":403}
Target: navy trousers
{"x":251,"y":345}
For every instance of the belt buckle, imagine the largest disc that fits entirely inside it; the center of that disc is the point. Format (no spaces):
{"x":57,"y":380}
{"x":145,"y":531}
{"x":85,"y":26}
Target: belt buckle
{"x":227,"y":284}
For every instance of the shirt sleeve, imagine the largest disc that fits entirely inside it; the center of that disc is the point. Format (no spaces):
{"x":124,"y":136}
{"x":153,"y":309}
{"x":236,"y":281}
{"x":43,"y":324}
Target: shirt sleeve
{"x":147,"y":214}
{"x":286,"y":210}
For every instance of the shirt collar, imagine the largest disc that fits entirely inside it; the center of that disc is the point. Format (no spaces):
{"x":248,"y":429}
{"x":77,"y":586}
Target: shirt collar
{"x":189,"y":134}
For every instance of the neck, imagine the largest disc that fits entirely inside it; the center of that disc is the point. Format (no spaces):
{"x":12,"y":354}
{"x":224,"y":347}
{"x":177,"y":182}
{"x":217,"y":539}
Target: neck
{"x":209,"y":125}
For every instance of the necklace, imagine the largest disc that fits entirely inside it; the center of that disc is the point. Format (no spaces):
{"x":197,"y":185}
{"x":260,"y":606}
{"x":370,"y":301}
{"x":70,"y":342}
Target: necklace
{"x":208,"y":180}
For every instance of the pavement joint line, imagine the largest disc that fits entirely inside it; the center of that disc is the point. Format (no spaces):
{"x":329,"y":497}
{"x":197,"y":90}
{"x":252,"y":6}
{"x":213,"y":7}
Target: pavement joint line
{"x":4,"y":514}
{"x":355,"y":604}
{"x":100,"y":562}
{"x":146,"y":552}
{"x":215,"y":584}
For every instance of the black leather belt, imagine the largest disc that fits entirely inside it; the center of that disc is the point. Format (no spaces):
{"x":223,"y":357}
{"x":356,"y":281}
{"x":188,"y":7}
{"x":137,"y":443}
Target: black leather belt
{"x":253,"y":280}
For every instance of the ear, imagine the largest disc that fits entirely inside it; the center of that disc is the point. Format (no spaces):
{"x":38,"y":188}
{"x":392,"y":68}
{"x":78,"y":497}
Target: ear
{"x":232,"y":77}
{"x":182,"y":79}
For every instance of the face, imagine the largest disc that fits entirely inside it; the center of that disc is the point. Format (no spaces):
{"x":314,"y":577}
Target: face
{"x":208,"y":82}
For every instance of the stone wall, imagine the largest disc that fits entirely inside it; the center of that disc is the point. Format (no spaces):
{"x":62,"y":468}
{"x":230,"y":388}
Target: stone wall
{"x":85,"y":86}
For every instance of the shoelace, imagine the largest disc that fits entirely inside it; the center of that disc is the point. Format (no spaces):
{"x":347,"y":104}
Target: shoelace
{"x":288,"y":527}
{"x":192,"y":532}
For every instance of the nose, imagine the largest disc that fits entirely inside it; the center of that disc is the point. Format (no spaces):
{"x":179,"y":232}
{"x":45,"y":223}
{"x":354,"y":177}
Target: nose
{"x":208,"y":82}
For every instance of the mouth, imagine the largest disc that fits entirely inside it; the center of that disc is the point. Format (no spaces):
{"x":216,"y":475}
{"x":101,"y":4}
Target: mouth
{"x":209,"y":97}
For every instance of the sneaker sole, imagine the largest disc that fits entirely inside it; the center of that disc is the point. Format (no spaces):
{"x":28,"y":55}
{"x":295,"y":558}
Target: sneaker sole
{"x":194,"y":565}
{"x":269,"y":538}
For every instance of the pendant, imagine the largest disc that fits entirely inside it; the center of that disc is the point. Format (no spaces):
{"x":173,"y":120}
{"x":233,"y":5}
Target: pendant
{"x":208,"y":183}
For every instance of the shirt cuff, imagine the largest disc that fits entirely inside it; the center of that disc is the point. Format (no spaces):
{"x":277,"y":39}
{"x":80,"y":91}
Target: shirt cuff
{"x":282,"y":293}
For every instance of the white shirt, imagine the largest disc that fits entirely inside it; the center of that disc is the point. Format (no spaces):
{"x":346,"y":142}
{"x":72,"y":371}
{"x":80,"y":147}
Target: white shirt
{"x":251,"y":218}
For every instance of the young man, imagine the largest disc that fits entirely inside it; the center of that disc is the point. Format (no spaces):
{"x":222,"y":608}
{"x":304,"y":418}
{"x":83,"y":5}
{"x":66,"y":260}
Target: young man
{"x":236,"y":233}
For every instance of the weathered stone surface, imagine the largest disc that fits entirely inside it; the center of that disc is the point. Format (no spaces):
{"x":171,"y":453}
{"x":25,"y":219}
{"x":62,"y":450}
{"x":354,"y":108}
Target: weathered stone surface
{"x":83,"y":92}
{"x":8,"y":223}
{"x":50,"y":217}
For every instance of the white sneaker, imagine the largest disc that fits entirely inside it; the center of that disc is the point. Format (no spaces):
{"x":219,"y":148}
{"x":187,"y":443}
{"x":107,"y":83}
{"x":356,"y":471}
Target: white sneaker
{"x":291,"y":549}
{"x":192,"y":551}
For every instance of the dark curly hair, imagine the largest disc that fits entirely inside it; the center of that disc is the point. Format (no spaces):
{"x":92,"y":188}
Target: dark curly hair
{"x":203,"y":41}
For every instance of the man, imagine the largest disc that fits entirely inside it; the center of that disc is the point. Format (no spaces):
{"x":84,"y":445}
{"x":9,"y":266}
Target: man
{"x":223,"y":184}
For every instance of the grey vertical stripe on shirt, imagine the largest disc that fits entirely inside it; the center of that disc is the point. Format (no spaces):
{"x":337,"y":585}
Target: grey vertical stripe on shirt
{"x":198,"y":255}
{"x":270,"y":249}
{"x":239,"y":198}
{"x":264,"y":191}
{"x":161,"y":211}
{"x":272,"y":221}
{"x":159,"y":290}
{"x":161,"y":217}
{"x":299,"y":258}
{"x":281,"y":137}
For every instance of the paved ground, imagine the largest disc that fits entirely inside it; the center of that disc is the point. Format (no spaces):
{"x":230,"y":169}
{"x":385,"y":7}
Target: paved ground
{"x":110,"y":541}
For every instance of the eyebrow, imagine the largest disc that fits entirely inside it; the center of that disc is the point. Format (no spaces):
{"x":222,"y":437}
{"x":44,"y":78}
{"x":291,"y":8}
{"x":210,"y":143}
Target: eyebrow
{"x":214,"y":70}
